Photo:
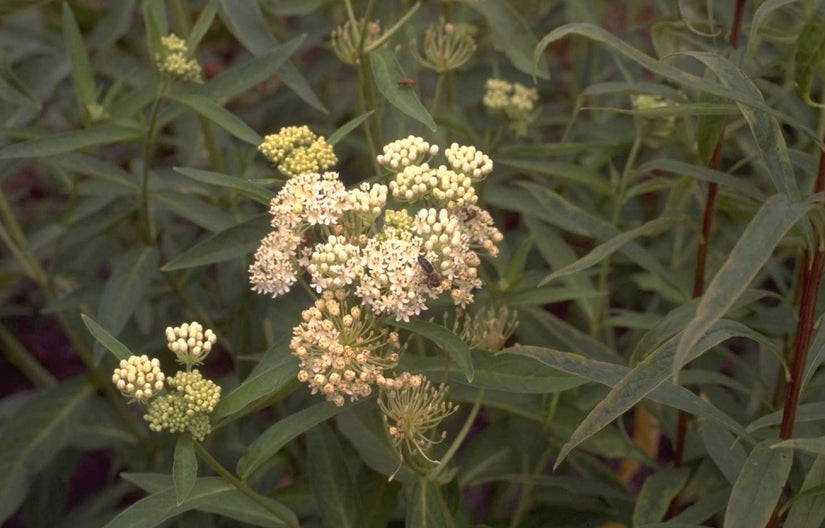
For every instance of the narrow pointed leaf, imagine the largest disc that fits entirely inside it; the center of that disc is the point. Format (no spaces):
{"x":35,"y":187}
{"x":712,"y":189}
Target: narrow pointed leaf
{"x":257,"y":386}
{"x":125,"y":289}
{"x":237,"y":241}
{"x":758,"y":487}
{"x":205,"y":18}
{"x":250,"y":190}
{"x":34,"y":435}
{"x":106,"y":339}
{"x":348,"y":127}
{"x":738,"y":184}
{"x":82,"y":76}
{"x":330,"y":480}
{"x":657,"y":492}
{"x":809,"y":511}
{"x":184,"y":468}
{"x":70,"y":141}
{"x":810,"y":445}
{"x":451,"y":343}
{"x":387,"y":72}
{"x":752,"y":250}
{"x":281,"y":433}
{"x":426,"y":507}
{"x":220,"y":116}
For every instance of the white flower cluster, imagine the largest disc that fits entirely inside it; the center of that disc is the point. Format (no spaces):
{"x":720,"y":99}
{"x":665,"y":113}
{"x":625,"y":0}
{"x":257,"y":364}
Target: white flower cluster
{"x":402,"y":153}
{"x":368,"y":261}
{"x":190,"y":342}
{"x":138,"y":377}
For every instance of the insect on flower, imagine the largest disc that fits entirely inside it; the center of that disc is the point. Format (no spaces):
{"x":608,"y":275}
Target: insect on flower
{"x":406,"y":83}
{"x":433,"y":277}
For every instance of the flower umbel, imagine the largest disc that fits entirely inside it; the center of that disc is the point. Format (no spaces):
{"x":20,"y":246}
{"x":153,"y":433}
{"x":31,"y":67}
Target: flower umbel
{"x":346,"y":39}
{"x":175,"y":60}
{"x":446,"y":47}
{"x":412,"y":412}
{"x":514,"y":100}
{"x":138,"y":377}
{"x":296,"y":150}
{"x":190,"y":343}
{"x":489,"y":328}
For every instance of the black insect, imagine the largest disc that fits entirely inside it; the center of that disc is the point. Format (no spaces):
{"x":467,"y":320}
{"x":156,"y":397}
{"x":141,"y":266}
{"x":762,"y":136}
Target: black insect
{"x":433,"y":277}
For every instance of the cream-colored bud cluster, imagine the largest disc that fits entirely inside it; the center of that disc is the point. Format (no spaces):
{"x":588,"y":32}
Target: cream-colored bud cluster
{"x":514,"y":100}
{"x":190,"y":343}
{"x":334,"y":264}
{"x":368,"y":200}
{"x":346,"y":39}
{"x":297,"y":150}
{"x":201,"y":395}
{"x":174,"y":60}
{"x":441,"y":185}
{"x":468,"y":160}
{"x":138,"y":377}
{"x":402,"y":153}
{"x":446,"y":47}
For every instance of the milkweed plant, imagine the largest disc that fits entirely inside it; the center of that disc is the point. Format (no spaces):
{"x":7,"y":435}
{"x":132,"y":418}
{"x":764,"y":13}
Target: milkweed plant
{"x":427,"y":264}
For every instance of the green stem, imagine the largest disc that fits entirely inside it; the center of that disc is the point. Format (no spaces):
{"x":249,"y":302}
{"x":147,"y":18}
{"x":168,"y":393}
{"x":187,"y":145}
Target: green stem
{"x":395,"y":27}
{"x":274,"y":508}
{"x":439,"y":87}
{"x":18,"y":356}
{"x":148,"y":147}
{"x":462,"y":434}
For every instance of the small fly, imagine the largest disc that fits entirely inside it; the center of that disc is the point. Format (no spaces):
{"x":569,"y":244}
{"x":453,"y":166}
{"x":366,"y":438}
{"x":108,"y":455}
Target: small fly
{"x":406,"y":83}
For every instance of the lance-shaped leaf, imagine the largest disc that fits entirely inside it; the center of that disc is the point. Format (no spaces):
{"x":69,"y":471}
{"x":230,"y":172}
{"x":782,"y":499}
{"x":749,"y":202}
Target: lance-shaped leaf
{"x":387,"y":72}
{"x":758,"y":487}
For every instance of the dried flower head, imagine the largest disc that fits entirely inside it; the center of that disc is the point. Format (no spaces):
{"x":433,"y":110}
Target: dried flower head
{"x":515,"y":101}
{"x":296,"y":150}
{"x":174,"y":59}
{"x":138,"y":377}
{"x":488,"y":328}
{"x":411,"y":414}
{"x":347,"y":37}
{"x":190,"y":343}
{"x":446,"y":47}
{"x":341,"y":354}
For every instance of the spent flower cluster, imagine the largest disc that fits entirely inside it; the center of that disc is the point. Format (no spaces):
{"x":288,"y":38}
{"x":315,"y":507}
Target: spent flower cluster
{"x":174,"y":59}
{"x":446,"y":47}
{"x":187,"y":399}
{"x":513,"y":100}
{"x":346,"y":39}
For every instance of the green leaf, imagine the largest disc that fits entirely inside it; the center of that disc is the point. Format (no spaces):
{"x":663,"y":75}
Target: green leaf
{"x":759,"y":17}
{"x":758,"y":487}
{"x":752,"y":250}
{"x":576,"y":173}
{"x":809,"y":511}
{"x":241,"y":77}
{"x":248,"y":24}
{"x":90,"y":166}
{"x":511,"y":34}
{"x":34,"y":435}
{"x":426,"y":507}
{"x":84,"y":84}
{"x":724,"y":449}
{"x":220,"y":116}
{"x":451,"y":343}
{"x":106,"y":339}
{"x":610,"y":374}
{"x":281,"y":433}
{"x":735,"y":93}
{"x":807,"y":412}
{"x":205,"y":18}
{"x":657,"y":492}
{"x":507,"y":372}
{"x":125,"y":289}
{"x":70,"y":141}
{"x":348,"y":127}
{"x":195,"y":209}
{"x":810,"y":445}
{"x":387,"y":72}
{"x":330,"y":480}
{"x":647,"y":376}
{"x":740,"y":185}
{"x":250,"y":190}
{"x":211,"y":494}
{"x":597,"y":254}
{"x":257,"y":386}
{"x":810,"y":51}
{"x":237,"y":241}
{"x":184,"y":468}
{"x":14,"y":91}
